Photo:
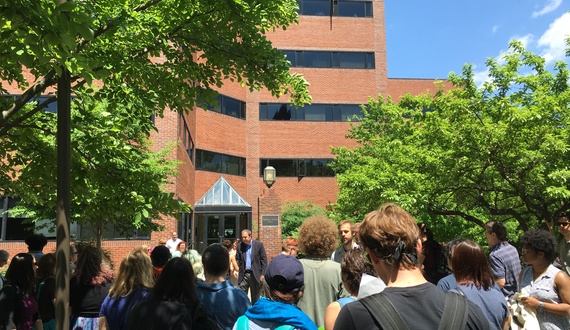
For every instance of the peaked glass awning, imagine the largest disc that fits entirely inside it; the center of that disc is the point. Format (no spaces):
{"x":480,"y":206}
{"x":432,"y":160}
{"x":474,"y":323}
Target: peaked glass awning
{"x":221,"y":196}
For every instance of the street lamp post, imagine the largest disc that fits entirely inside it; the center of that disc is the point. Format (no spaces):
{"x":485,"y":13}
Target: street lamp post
{"x":269,"y":176}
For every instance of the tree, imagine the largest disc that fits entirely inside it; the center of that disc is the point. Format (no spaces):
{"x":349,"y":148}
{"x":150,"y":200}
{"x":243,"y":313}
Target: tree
{"x":294,"y":213}
{"x":116,"y":178}
{"x":128,"y":61}
{"x":168,"y":53}
{"x":499,"y":151}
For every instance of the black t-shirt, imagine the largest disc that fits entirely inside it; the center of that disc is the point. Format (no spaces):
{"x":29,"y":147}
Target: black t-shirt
{"x":87,"y":299}
{"x":46,"y":295}
{"x":421,"y":307}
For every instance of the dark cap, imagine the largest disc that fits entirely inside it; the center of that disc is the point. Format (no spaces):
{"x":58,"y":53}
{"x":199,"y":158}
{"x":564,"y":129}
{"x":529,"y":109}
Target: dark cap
{"x":284,"y":273}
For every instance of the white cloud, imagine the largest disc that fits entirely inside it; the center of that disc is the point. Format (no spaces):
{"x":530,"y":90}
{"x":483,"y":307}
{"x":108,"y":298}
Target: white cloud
{"x":553,"y":40}
{"x":481,"y":76}
{"x":550,"y":7}
{"x":526,"y":40}
{"x":495,"y":28}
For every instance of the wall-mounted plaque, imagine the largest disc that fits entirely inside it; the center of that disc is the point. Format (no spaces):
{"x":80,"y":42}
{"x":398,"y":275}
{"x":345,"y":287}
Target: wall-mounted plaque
{"x":270,"y":220}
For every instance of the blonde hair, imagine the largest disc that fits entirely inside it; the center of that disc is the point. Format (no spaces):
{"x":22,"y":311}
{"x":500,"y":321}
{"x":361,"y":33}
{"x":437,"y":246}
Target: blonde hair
{"x":135,"y":272}
{"x":392,"y":235}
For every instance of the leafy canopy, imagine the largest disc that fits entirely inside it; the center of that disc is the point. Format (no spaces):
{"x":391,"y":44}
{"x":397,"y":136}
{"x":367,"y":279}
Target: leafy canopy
{"x":499,"y":151}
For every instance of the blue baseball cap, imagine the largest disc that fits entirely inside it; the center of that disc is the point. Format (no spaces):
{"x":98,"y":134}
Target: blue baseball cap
{"x":285,"y":273}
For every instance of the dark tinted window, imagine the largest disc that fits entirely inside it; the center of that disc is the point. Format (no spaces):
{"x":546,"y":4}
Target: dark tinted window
{"x":310,"y":112}
{"x":329,"y":59}
{"x":346,"y":8}
{"x":219,"y":163}
{"x":298,"y":167}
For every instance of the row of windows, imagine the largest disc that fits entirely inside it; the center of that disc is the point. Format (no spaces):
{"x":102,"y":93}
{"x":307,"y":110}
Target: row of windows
{"x":219,"y":163}
{"x":226,"y":105}
{"x":339,"y":8}
{"x":16,"y":229}
{"x":51,"y":107}
{"x":298,"y":167}
{"x":330,"y":59}
{"x":309,"y":112}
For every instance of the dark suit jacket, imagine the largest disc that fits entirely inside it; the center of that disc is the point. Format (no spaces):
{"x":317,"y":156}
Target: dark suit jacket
{"x":258,"y":262}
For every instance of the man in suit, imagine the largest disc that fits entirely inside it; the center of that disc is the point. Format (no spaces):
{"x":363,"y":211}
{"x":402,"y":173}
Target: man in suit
{"x":252,"y":262}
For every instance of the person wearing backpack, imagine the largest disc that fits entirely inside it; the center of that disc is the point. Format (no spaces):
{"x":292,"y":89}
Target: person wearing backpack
{"x":276,"y":309}
{"x":392,"y":240}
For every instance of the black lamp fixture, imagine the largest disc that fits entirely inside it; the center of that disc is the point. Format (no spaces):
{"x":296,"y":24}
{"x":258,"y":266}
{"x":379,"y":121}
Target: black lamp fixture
{"x":269,"y":176}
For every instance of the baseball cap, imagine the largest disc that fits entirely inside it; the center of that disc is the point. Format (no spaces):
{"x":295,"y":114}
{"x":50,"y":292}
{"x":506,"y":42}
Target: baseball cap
{"x":284,"y":273}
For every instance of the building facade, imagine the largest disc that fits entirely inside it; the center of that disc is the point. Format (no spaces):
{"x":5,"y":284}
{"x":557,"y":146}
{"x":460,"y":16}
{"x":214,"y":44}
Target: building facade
{"x":340,"y":48}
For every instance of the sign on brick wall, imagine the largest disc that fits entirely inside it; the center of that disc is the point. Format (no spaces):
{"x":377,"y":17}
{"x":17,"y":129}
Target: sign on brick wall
{"x":271,"y":220}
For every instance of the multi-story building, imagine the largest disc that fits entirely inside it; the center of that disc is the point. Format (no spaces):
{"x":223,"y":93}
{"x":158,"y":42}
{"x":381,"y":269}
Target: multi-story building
{"x":224,"y":150}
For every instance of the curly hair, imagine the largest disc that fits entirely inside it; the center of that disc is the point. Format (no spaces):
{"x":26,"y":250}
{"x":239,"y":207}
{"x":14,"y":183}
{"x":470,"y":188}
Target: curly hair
{"x":92,"y":267}
{"x":392,"y":235}
{"x":540,"y":241}
{"x":318,"y":236}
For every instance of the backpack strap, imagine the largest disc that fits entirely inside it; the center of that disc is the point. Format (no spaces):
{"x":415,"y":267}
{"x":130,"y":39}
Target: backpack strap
{"x":384,"y":312}
{"x":455,"y":312}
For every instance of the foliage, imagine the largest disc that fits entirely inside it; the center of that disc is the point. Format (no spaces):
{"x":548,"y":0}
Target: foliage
{"x":498,"y":151}
{"x":116,"y":178}
{"x":294,"y":213}
{"x":157,"y":53}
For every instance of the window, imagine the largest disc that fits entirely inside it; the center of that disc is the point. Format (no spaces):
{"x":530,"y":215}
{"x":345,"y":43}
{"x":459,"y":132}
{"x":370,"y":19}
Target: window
{"x":187,"y":138}
{"x":16,"y":229}
{"x":330,"y":59}
{"x":51,"y":107}
{"x":298,"y":167}
{"x":309,"y":112}
{"x":226,"y":105}
{"x":219,"y":163}
{"x":344,"y":8}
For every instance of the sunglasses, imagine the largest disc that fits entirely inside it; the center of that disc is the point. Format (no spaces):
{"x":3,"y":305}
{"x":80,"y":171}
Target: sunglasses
{"x":563,"y":224}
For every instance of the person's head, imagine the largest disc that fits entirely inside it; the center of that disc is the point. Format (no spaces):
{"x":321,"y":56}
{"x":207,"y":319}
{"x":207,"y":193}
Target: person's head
{"x":448,"y":250}
{"x":135,"y":272}
{"x":246,"y":236}
{"x":235,"y":244}
{"x":495,"y":232}
{"x":563,"y":223}
{"x":4,"y":256}
{"x":174,"y":236}
{"x":227,"y":244}
{"x":176,"y":282}
{"x":392,"y":235}
{"x":284,"y":279}
{"x":182,"y":247}
{"x":46,"y":266}
{"x":160,"y":256}
{"x":162,"y":241}
{"x":216,"y":260}
{"x":352,"y":267}
{"x":36,"y":242}
{"x":290,"y":246}
{"x":355,"y":230}
{"x":21,"y":272}
{"x":318,"y":236}
{"x":345,"y":232}
{"x":73,"y":254}
{"x":470,"y":265}
{"x":538,"y":245}
{"x":427,"y":234}
{"x":92,"y":267}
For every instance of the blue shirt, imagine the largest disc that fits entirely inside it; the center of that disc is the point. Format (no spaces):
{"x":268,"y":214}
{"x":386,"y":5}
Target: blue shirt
{"x":248,"y":256}
{"x":224,"y":301}
{"x":505,"y":263}
{"x":492,"y":303}
{"x":116,"y":310}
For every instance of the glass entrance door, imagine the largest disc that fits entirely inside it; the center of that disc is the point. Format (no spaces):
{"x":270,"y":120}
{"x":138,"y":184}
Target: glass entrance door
{"x":214,"y":228}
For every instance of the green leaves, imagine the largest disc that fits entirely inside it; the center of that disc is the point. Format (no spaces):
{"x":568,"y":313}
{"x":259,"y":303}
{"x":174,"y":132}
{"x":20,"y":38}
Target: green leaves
{"x":498,"y":151}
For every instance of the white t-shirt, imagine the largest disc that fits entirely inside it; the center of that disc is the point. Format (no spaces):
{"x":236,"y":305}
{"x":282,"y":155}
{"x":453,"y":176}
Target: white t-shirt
{"x":172,"y":244}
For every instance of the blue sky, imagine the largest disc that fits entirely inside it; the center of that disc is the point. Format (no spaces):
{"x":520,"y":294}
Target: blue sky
{"x":429,"y":39}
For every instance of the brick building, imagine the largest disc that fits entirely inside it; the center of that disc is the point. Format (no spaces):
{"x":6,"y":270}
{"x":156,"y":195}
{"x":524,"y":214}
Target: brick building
{"x":223,"y":150}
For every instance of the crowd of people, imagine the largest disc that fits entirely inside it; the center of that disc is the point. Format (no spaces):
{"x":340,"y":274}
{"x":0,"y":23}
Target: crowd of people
{"x":388,"y":272}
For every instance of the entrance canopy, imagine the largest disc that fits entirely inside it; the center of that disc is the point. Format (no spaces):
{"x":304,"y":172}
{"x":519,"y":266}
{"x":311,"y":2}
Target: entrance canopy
{"x":220,"y":197}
